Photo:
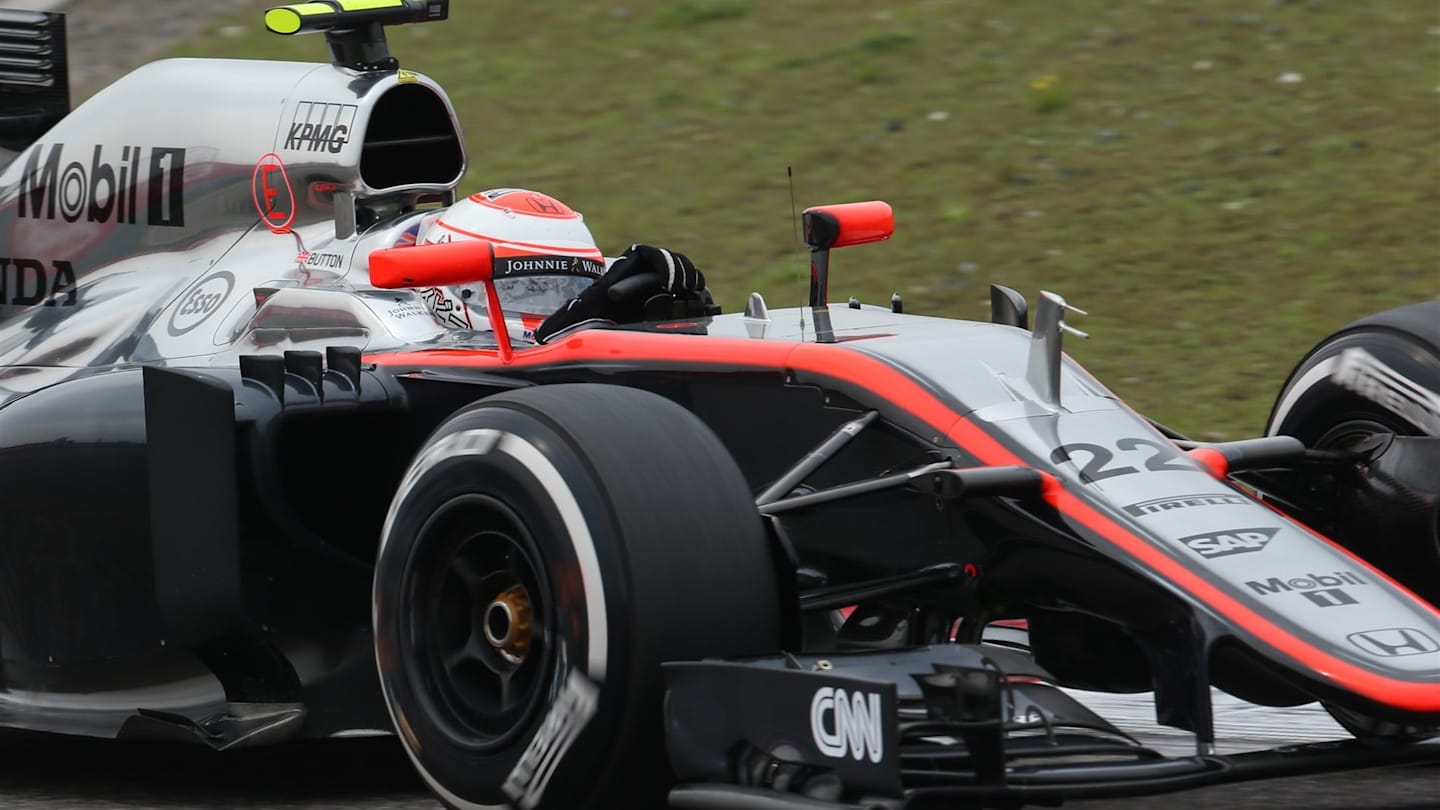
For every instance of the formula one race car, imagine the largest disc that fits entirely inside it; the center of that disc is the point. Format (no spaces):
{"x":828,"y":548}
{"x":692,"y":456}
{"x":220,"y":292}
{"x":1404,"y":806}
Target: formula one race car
{"x":252,"y":490}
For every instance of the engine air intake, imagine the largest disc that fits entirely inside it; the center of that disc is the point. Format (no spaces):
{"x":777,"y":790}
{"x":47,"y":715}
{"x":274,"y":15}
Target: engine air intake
{"x":411,"y":140}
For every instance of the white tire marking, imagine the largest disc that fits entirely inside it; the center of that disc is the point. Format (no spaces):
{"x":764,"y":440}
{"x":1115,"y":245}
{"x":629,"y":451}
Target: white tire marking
{"x":1308,"y":380}
{"x":580,"y":539}
{"x":1363,"y":373}
{"x":481,"y":441}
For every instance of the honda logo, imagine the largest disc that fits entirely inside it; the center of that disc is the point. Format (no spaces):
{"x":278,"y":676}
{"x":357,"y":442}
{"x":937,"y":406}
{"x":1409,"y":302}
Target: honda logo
{"x":1393,"y":642}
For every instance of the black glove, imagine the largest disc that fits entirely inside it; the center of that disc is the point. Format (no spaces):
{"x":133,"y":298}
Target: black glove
{"x":641,"y":273}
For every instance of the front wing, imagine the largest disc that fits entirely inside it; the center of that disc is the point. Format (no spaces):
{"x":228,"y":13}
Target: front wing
{"x":932,"y":727}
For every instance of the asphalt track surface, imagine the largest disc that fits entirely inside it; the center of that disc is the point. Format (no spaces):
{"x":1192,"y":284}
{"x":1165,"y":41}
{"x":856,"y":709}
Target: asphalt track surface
{"x":41,"y":772}
{"x":52,"y":773}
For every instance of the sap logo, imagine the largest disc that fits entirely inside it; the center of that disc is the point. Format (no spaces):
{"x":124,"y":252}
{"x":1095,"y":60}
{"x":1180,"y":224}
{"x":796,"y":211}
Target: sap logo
{"x":103,"y":192}
{"x":1223,"y":544}
{"x":320,"y":127}
{"x":1393,"y":642}
{"x":26,"y":282}
{"x":841,"y":722}
{"x":1182,"y":502}
{"x":568,"y":716}
{"x":1322,"y":590}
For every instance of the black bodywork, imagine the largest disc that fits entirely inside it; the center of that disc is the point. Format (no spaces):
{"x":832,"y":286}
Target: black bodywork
{"x":189,"y":525}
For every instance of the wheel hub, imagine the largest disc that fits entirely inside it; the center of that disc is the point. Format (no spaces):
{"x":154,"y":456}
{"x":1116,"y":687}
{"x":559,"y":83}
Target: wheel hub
{"x":508,"y":624}
{"x":477,"y":617}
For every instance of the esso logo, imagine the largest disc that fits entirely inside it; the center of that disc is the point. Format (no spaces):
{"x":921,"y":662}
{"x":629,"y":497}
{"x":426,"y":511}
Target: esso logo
{"x":201,"y":301}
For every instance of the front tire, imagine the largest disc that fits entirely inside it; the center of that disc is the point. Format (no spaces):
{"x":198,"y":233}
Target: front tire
{"x":546,"y":551}
{"x":1376,"y":378}
{"x":1383,"y":370}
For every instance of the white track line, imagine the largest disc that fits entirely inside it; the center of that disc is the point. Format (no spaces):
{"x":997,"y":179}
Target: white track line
{"x":33,"y":5}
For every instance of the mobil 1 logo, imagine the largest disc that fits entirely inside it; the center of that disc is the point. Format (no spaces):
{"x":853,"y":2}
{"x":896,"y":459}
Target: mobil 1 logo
{"x":1323,"y":590}
{"x":1231,"y":541}
{"x":103,"y":185}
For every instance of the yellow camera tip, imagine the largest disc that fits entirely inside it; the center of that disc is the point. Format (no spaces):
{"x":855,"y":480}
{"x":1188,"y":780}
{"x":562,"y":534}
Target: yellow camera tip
{"x":282,"y":20}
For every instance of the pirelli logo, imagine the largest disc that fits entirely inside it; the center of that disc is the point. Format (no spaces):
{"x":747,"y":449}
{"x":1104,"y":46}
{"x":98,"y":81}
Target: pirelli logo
{"x":1158,"y":505}
{"x":321,"y":127}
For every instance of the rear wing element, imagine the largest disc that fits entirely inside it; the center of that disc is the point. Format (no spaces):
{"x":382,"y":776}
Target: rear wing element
{"x":355,"y":29}
{"x":34,"y":76}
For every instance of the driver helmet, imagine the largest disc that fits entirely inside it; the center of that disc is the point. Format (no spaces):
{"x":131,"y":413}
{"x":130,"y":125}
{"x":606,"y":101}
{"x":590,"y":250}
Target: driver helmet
{"x":544,"y":256}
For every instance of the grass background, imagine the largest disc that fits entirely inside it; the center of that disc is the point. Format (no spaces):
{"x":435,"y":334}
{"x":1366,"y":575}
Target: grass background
{"x":1219,"y":182}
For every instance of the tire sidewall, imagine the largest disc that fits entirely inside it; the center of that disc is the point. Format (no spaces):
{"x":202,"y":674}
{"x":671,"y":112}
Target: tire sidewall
{"x":518,"y":460}
{"x":1316,"y":398}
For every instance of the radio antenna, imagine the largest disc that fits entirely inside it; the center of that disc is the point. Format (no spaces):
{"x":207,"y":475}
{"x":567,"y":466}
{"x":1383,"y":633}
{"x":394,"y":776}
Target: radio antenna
{"x":799,"y":257}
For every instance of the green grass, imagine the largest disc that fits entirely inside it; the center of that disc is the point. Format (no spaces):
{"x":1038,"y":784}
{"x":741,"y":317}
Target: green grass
{"x":1142,"y":159}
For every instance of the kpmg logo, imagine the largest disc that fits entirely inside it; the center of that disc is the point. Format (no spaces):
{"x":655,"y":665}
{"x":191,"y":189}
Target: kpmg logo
{"x":1393,"y":642}
{"x":320,"y":127}
{"x":844,"y":722}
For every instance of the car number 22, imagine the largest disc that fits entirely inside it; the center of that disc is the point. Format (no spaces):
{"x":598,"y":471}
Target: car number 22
{"x":1097,"y":465}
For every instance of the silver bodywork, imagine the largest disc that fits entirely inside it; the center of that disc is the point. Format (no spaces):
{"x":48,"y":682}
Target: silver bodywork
{"x":1254,"y":556}
{"x":137,"y":229}
{"x":143,"y":230}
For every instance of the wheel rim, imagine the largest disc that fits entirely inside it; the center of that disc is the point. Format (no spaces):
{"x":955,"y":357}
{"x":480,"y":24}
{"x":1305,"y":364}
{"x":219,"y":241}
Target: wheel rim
{"x":1351,"y":433}
{"x":478,"y":622}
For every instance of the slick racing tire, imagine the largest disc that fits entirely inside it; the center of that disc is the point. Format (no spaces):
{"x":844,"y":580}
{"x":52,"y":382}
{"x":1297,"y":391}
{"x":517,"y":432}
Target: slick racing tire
{"x":546,"y":550}
{"x":1377,"y":376}
{"x":1383,"y":370}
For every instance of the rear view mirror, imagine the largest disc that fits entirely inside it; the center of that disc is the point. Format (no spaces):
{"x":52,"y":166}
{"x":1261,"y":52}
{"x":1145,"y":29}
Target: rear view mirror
{"x":446,"y":264}
{"x":833,"y":226}
{"x":440,"y":265}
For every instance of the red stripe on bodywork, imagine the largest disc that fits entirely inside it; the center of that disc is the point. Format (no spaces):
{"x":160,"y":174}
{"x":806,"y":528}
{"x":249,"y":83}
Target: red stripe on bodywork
{"x":1419,"y":697}
{"x":1359,"y":561}
{"x":1219,"y":466}
{"x":904,"y":392}
{"x":1212,"y":460}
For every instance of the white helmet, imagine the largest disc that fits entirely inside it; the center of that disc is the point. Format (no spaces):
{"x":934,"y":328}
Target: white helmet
{"x":544,"y":256}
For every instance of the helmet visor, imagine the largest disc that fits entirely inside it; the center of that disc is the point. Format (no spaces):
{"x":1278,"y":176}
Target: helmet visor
{"x":533,"y":284}
{"x":539,"y":295}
